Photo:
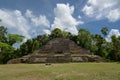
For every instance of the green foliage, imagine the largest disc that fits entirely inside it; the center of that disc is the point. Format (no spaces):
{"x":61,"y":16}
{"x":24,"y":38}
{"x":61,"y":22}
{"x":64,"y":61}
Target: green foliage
{"x":84,"y":38}
{"x":115,"y":48}
{"x":6,"y":46}
{"x":66,"y":34}
{"x":31,"y":45}
{"x":14,"y":38}
{"x":6,"y":52}
{"x":99,"y":42}
{"x":104,"y":31}
{"x":3,"y":34}
{"x":56,"y":33}
{"x":43,"y":39}
{"x":6,"y":42}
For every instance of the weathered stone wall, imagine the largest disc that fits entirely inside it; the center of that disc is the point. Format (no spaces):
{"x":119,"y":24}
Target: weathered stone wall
{"x":57,"y":59}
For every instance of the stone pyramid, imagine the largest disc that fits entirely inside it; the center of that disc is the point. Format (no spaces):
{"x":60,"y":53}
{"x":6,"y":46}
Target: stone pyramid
{"x":58,"y":50}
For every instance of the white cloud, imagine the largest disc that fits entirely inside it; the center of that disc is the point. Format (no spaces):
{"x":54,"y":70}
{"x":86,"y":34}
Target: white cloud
{"x":100,"y":9}
{"x":64,"y":19}
{"x":29,"y":24}
{"x":46,"y":31}
{"x":115,"y":32}
{"x":114,"y":15}
{"x":14,"y":19}
{"x":40,"y":20}
{"x":18,"y":23}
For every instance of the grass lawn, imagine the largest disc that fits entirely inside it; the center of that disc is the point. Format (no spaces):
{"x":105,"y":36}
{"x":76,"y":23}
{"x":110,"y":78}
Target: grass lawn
{"x":66,"y":71}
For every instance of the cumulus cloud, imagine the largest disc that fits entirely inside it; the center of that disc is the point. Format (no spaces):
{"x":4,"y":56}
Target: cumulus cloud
{"x":29,"y":24}
{"x":21,"y":24}
{"x":64,"y":19}
{"x":115,"y":32}
{"x":100,"y":9}
{"x":15,"y":20}
{"x":40,"y":20}
{"x":41,"y":23}
{"x":114,"y":15}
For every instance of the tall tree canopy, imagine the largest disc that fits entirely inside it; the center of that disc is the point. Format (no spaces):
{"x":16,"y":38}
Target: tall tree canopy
{"x":6,"y":42}
{"x":3,"y":34}
{"x":84,"y":38}
{"x":14,"y":38}
{"x":104,"y":31}
{"x":56,"y":33}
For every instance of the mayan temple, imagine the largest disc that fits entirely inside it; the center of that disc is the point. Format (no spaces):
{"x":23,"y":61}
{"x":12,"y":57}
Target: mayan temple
{"x":58,"y":50}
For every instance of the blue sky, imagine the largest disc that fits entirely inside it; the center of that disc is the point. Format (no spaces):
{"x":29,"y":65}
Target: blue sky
{"x":33,"y":17}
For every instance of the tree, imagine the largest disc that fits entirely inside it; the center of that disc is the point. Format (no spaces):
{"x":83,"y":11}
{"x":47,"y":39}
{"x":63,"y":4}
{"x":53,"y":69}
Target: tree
{"x":6,"y":42}
{"x":84,"y":38}
{"x":43,"y":39}
{"x":26,"y":47}
{"x":35,"y":44}
{"x":66,"y":34}
{"x":115,"y":53}
{"x":100,"y":44}
{"x":14,"y":38}
{"x":6,"y":52}
{"x":104,"y":31}
{"x":3,"y":34}
{"x":56,"y":33}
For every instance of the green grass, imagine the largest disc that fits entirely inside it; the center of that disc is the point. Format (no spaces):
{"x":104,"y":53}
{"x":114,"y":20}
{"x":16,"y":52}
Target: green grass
{"x":67,"y":71}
